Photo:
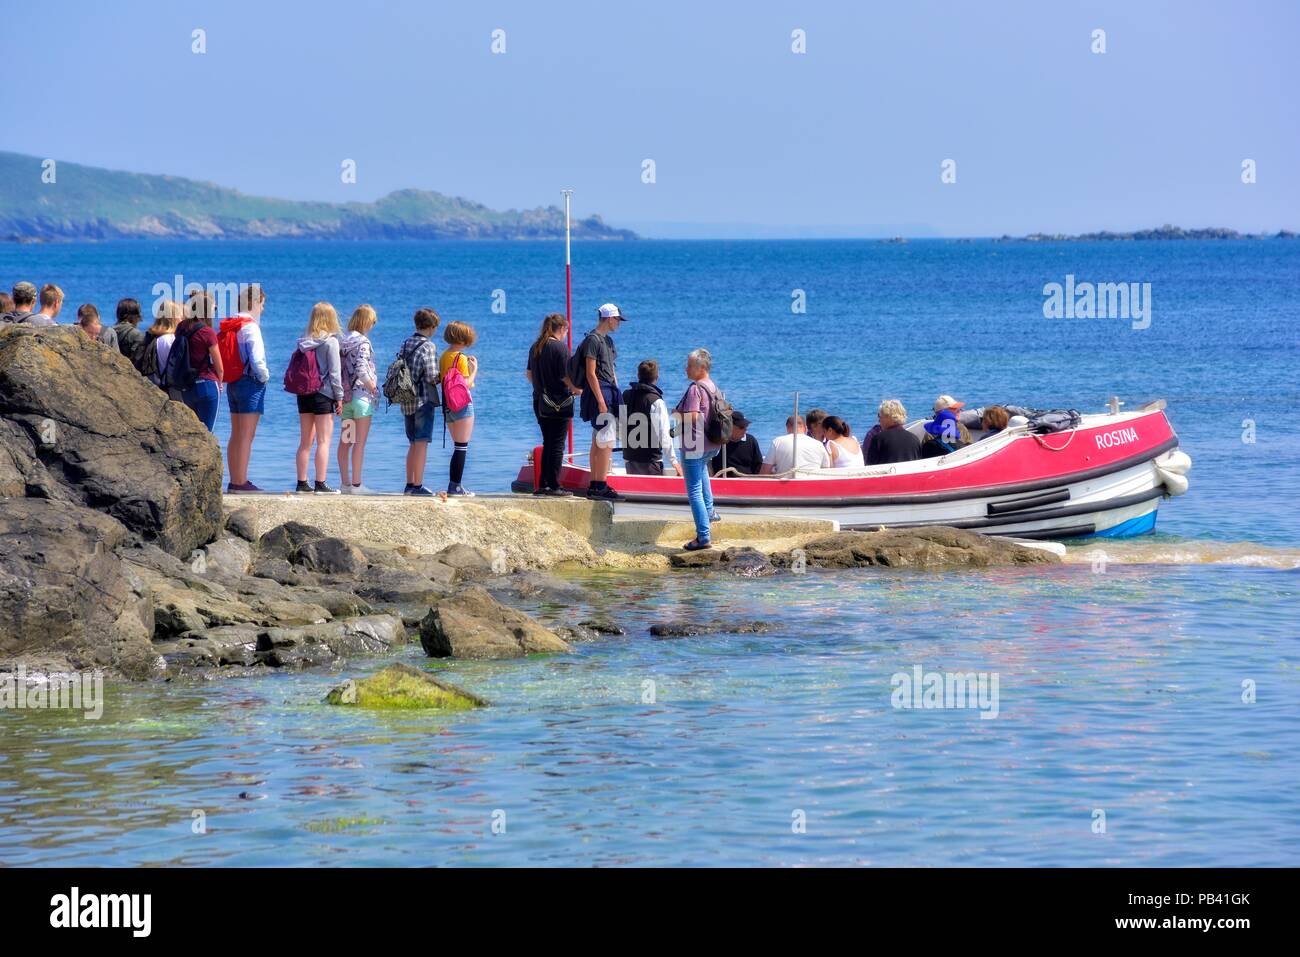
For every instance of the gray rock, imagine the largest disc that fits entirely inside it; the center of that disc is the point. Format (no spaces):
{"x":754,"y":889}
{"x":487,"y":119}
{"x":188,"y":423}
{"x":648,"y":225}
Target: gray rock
{"x":312,"y":645}
{"x":66,"y":598}
{"x":329,"y":556}
{"x":469,"y":561}
{"x":243,"y":523}
{"x":715,"y":627}
{"x":473,"y":624}
{"x":924,"y":548}
{"x":284,"y":540}
{"x":227,"y":559}
{"x":79,"y":426}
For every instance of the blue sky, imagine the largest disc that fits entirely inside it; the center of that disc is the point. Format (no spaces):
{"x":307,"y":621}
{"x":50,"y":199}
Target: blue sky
{"x":747,"y":137}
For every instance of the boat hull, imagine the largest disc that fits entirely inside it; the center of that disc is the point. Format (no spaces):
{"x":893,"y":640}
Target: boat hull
{"x":1106,"y":477}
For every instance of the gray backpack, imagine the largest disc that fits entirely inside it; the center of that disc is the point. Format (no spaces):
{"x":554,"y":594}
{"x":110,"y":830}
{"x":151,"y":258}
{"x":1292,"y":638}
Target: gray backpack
{"x":399,"y":387}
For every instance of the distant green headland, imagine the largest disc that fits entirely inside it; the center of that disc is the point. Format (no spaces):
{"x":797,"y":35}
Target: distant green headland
{"x":1163,"y":233}
{"x":88,"y":203}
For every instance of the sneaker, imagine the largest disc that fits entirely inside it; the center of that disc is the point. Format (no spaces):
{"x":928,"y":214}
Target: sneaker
{"x":358,"y":490}
{"x":419,"y":490}
{"x":605,"y":494}
{"x":715,"y":518}
{"x":345,"y":488}
{"x":302,"y":487}
{"x":407,"y":489}
{"x":555,"y":492}
{"x":323,"y":489}
{"x":245,"y":489}
{"x":454,"y":489}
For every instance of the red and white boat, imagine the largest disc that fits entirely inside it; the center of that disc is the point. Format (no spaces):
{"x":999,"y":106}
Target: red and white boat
{"x":1106,"y":477}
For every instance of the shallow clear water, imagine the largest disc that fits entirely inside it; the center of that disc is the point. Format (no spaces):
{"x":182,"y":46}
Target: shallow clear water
{"x":1118,"y":692}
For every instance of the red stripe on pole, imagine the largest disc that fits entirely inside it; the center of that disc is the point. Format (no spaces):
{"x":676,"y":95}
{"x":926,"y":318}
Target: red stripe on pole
{"x":568,"y":315}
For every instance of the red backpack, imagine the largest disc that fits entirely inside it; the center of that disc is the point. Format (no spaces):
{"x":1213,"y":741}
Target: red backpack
{"x":303,"y":375}
{"x":232,"y":361}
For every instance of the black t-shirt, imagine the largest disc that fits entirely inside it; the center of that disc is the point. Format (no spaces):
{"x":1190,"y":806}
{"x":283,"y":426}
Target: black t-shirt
{"x":599,"y":346}
{"x":548,"y":378}
{"x":893,"y":445}
{"x":743,"y":456}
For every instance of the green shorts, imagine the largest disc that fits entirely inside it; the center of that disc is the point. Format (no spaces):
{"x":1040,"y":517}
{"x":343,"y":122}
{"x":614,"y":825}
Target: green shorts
{"x":361,"y":407}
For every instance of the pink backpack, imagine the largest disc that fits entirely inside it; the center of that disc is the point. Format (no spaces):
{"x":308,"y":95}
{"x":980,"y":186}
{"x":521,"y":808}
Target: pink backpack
{"x":455,"y":393}
{"x":303,"y":375}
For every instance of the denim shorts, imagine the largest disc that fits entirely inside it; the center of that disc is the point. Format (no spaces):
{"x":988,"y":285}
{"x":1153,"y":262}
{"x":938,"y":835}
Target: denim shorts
{"x":247,"y":395}
{"x":464,"y":413}
{"x":419,"y":427}
{"x":361,"y":407}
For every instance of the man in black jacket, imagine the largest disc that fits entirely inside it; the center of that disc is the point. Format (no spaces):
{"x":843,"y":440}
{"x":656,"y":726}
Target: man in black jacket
{"x":742,"y":453}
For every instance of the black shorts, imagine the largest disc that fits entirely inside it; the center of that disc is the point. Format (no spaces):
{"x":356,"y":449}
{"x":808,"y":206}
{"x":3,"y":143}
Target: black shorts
{"x":315,"y":404}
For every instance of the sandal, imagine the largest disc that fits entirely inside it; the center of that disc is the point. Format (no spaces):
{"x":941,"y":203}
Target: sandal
{"x":695,"y":545}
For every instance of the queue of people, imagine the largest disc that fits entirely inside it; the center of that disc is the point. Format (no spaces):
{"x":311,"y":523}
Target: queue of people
{"x":194,"y":358}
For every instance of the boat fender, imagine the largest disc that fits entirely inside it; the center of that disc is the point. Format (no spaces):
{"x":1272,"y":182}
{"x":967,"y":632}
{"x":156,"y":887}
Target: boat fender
{"x":1175,"y":484}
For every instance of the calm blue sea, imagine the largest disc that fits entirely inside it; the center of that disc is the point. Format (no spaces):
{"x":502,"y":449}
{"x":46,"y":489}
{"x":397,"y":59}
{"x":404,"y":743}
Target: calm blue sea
{"x":1162,"y":693}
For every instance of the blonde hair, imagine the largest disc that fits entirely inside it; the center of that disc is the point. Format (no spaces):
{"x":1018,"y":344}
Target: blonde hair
{"x":893,"y":410}
{"x":324,"y":321}
{"x":363,"y":319}
{"x":169,"y":309}
{"x":164,"y":321}
{"x":51,"y":296}
{"x":460,"y":334}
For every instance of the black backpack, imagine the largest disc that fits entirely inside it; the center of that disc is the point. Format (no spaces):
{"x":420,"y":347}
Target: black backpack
{"x":148,"y":366}
{"x":179,"y":373}
{"x":575,"y":367}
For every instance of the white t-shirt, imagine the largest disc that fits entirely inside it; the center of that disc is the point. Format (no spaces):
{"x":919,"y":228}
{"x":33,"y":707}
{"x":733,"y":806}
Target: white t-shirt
{"x":812,"y":454}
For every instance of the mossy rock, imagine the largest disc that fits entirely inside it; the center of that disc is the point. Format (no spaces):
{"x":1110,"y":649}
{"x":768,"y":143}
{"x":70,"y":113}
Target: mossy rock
{"x":403,"y":688}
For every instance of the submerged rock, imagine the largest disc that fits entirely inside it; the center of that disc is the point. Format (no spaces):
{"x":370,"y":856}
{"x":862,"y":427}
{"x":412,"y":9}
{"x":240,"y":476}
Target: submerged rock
{"x":930,"y":547}
{"x":79,"y":425}
{"x":473,"y":624}
{"x":402,"y":687}
{"x":715,"y":627}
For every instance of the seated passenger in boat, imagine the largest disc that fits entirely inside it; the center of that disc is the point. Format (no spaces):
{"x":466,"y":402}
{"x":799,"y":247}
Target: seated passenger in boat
{"x":893,"y":443}
{"x":944,"y":433}
{"x":795,"y":449}
{"x":844,"y":449}
{"x":994,"y":420}
{"x":814,"y":420}
{"x":742,"y":454}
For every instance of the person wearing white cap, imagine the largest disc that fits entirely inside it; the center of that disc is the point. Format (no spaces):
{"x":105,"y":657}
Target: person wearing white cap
{"x":600,"y":394}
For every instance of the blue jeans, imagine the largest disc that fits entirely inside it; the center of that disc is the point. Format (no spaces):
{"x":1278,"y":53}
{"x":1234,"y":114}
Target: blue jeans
{"x":203,"y":400}
{"x":700,"y":493}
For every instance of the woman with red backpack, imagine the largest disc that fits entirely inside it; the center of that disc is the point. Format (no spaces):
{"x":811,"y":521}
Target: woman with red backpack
{"x":315,"y":377}
{"x":458,"y":374}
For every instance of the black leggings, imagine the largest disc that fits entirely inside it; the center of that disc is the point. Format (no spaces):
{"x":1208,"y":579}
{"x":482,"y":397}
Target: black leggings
{"x":554,"y":433}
